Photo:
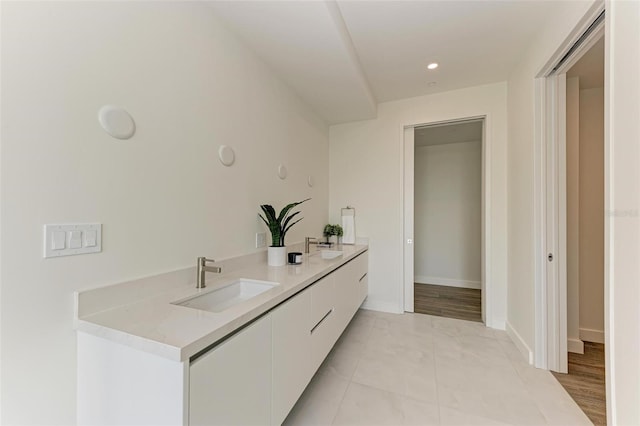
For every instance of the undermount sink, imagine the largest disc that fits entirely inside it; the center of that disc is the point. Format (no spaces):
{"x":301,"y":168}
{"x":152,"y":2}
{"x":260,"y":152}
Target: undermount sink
{"x":230,"y":295}
{"x":330,"y":254}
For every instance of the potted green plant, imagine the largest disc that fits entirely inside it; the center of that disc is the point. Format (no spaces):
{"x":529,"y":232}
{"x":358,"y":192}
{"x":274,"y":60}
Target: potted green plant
{"x":331,"y":230}
{"x":279,"y":225}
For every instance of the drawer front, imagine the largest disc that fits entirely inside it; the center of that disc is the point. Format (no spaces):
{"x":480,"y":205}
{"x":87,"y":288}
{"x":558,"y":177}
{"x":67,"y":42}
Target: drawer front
{"x":363,"y":288}
{"x":322,"y":299}
{"x":323,"y":337}
{"x":361,"y":264}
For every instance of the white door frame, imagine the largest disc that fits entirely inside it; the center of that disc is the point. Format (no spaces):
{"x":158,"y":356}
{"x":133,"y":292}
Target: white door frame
{"x":550,"y":198}
{"x":407,"y":139}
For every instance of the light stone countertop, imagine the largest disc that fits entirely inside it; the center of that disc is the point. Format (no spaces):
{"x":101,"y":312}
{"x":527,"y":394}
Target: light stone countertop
{"x":140,"y":313}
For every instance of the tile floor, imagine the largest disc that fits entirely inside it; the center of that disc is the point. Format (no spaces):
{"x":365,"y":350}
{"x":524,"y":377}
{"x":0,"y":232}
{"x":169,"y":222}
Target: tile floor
{"x":416,"y":369}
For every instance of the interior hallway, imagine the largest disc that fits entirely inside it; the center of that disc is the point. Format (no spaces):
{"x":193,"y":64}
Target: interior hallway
{"x":424,"y":370}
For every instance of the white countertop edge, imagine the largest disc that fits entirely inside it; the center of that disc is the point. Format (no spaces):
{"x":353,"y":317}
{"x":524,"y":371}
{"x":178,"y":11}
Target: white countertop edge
{"x":182,"y":353}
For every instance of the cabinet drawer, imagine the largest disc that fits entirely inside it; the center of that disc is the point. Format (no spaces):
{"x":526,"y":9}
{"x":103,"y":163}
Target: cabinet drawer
{"x":363,"y":288}
{"x":323,"y":337}
{"x":361,"y":264}
{"x":322,"y":299}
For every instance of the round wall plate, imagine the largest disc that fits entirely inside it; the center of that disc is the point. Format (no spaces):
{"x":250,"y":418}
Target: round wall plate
{"x":226,"y":154}
{"x":117,"y":122}
{"x":282,"y":171}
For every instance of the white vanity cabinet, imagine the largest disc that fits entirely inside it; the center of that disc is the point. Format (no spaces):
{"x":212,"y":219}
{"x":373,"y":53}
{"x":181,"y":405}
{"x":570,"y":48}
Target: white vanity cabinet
{"x":291,"y":348}
{"x":252,"y":377}
{"x":231,"y":384}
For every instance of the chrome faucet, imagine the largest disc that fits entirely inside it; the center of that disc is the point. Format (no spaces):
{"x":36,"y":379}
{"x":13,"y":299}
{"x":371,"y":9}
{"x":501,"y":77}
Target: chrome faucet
{"x":307,"y":241}
{"x":203,"y":268}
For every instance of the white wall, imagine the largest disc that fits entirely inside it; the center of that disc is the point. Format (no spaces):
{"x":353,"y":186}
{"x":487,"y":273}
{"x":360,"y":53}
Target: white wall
{"x":622,"y":205}
{"x":366,"y":172}
{"x":521,"y":298}
{"x":592,"y":214}
{"x":163,"y":196}
{"x":447,"y":218}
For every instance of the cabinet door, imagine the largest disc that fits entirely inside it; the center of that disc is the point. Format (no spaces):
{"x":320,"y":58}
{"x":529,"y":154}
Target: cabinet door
{"x":231,"y":384}
{"x":292,"y":366}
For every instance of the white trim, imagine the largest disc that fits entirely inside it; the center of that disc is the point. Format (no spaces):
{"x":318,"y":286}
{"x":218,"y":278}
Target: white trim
{"x":522,"y":346}
{"x":575,"y":346}
{"x":373,"y":305}
{"x":449,"y":282}
{"x":499,"y":324}
{"x":539,"y":224}
{"x":408,"y":172}
{"x":590,"y":335}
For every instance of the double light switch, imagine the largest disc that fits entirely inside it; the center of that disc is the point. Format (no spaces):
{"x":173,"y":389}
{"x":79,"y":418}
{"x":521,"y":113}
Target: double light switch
{"x":72,"y":239}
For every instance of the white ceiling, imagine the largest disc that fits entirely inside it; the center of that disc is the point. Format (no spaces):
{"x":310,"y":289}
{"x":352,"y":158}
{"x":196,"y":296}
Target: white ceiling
{"x":344,"y":57}
{"x":443,"y":134}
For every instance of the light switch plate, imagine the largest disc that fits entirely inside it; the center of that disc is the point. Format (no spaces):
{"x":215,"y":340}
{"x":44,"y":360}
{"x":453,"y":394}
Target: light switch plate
{"x":72,"y":239}
{"x":261,"y":239}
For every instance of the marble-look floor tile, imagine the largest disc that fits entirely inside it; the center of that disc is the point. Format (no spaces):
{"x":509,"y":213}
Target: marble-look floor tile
{"x":340,"y":363}
{"x":451,"y":417}
{"x":319,"y":403}
{"x":405,"y":371}
{"x":364,"y":405}
{"x":421,"y":370}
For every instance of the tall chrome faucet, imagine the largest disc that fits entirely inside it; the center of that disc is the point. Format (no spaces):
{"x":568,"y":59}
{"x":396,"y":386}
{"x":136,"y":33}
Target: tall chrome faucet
{"x":307,"y":241}
{"x":203,"y":268}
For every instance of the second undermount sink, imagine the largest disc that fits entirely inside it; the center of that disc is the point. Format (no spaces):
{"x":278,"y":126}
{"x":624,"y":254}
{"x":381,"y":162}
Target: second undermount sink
{"x":227,"y":296}
{"x":330,"y":254}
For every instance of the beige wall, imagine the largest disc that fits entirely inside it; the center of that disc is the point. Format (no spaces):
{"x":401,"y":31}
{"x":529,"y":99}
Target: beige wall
{"x":447,"y":218}
{"x":163,"y":196}
{"x":591,"y":247}
{"x":366,"y":172}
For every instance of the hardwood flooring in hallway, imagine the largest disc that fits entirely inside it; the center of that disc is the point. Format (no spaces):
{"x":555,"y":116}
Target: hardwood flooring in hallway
{"x":450,"y":302}
{"x":586,"y":381}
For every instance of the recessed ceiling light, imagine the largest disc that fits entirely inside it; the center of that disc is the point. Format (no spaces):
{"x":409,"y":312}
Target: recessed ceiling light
{"x":432,"y":66}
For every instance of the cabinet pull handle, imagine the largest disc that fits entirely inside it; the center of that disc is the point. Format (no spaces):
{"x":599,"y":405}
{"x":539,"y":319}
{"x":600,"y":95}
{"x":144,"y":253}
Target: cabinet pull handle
{"x":323,"y":318}
{"x":362,"y":277}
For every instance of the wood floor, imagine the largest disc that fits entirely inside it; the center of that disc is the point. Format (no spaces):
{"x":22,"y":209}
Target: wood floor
{"x":585,"y":381}
{"x":451,"y":302}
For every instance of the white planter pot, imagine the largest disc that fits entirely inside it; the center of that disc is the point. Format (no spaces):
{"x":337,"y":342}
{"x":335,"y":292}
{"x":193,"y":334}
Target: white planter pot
{"x":277,"y":256}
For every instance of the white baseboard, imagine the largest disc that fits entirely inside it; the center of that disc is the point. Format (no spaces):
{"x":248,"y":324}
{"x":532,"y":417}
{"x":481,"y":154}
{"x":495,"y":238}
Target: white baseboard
{"x":498,"y":324}
{"x":449,"y":282}
{"x":381,"y":306}
{"x":575,"y":346}
{"x":589,"y":335}
{"x":522,"y":346}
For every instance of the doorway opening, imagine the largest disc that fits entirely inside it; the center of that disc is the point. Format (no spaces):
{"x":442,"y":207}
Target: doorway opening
{"x":444,"y":192}
{"x":584,"y":183}
{"x":570,"y":224}
{"x":447,"y":220}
